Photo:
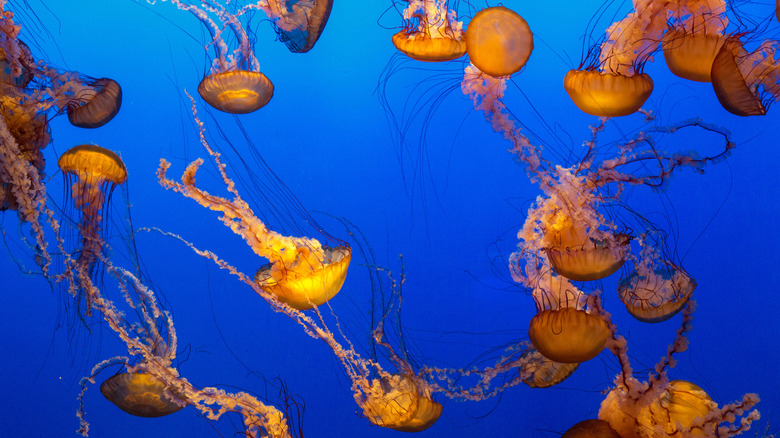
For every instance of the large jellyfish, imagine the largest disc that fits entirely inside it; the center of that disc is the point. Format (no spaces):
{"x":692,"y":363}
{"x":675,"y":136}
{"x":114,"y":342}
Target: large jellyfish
{"x":431,"y":32}
{"x":91,"y":173}
{"x":299,"y":24}
{"x":746,"y":82}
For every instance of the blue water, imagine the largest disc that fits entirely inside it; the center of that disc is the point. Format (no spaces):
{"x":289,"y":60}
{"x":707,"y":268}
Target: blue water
{"x":453,"y":214}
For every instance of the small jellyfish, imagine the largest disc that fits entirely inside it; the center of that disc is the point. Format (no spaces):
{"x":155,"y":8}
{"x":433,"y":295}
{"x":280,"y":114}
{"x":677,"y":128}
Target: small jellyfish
{"x":540,"y":372}
{"x":591,"y":429}
{"x":299,"y":23}
{"x":91,"y":173}
{"x":656,"y":293}
{"x":140,"y":394}
{"x":395,"y":402}
{"x":746,"y":82}
{"x":499,"y":41}
{"x":235,"y":84}
{"x":431,"y":32}
{"x":96,"y":104}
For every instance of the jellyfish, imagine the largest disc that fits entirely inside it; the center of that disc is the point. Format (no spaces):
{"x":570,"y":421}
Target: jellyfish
{"x":541,"y":372}
{"x":499,"y":41}
{"x":139,"y":394}
{"x":235,"y":84}
{"x":151,"y":386}
{"x":299,"y":24}
{"x":691,"y":44}
{"x":96,"y":104}
{"x":396,"y":403}
{"x":656,"y":290}
{"x":431,"y":32}
{"x":91,"y":173}
{"x":746,"y":82}
{"x":659,"y":407}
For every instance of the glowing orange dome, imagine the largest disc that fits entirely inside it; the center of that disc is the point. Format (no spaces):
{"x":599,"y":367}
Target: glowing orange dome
{"x":591,"y":429}
{"x":237,"y":91}
{"x":580,"y":258}
{"x":499,"y":41}
{"x":568,"y":335}
{"x":142,"y":395}
{"x":729,"y":84}
{"x":607,"y":95}
{"x":395,"y":403}
{"x":690,"y":55}
{"x":99,"y":164}
{"x":304,"y":288}
{"x":422,"y":47}
{"x":95,"y":106}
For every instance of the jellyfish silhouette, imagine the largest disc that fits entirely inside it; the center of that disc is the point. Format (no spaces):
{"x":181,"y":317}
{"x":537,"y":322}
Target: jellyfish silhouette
{"x":96,"y":104}
{"x":299,"y":24}
{"x":499,"y":41}
{"x":91,"y":173}
{"x":746,"y":82}
{"x":431,"y":32}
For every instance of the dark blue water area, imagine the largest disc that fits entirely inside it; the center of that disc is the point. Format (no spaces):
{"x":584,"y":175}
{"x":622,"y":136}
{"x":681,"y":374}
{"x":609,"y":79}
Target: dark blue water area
{"x":446,"y":194}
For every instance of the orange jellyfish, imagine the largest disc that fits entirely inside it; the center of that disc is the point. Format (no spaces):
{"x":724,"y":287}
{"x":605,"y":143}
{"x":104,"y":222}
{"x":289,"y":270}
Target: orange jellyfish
{"x":656,"y":291}
{"x":662,"y":408}
{"x":395,"y":402}
{"x":139,"y":394}
{"x":614,"y":85}
{"x":431,"y":32}
{"x":302,"y":273}
{"x":746,"y":82}
{"x":691,"y":44}
{"x":499,"y":41}
{"x":541,"y":372}
{"x":91,"y":173}
{"x":235,"y":84}
{"x":151,"y":386}
{"x":96,"y":104}
{"x":568,"y":334}
{"x":299,"y":24}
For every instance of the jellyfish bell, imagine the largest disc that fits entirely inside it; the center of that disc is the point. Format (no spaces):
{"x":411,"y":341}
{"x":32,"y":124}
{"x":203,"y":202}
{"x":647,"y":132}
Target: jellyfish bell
{"x":395,"y":402}
{"x":432,"y":35}
{"x":141,"y":394}
{"x":591,"y":429}
{"x":656,"y":294}
{"x":95,"y":104}
{"x":672,"y":413}
{"x":579,"y":257}
{"x":499,"y":41}
{"x":236,"y":91}
{"x":568,"y":335}
{"x":690,"y":55}
{"x":540,"y":372}
{"x":301,"y":22}
{"x":607,"y":94}
{"x":95,"y":164}
{"x":307,"y":283}
{"x":737,"y":92}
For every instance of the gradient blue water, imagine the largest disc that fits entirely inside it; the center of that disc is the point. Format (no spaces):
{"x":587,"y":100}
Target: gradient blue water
{"x":325,"y":134}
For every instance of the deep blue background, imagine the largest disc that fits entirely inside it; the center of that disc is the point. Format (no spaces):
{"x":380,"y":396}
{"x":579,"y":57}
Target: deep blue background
{"x":325,"y":134}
